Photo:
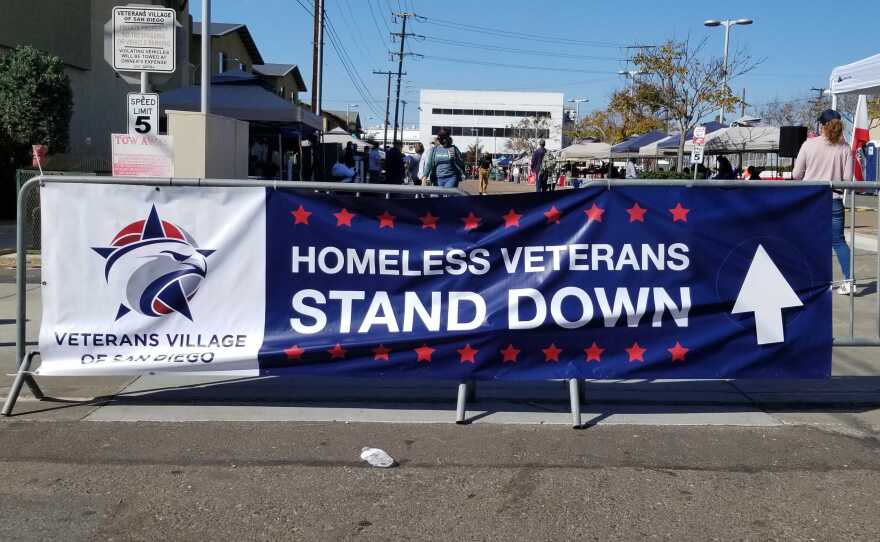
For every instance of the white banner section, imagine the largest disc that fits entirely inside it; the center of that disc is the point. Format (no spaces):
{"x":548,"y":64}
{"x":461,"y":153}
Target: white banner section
{"x":138,"y":279}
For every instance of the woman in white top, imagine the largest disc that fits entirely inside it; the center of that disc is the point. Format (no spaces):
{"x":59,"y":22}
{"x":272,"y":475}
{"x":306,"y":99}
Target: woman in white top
{"x":829,"y":158}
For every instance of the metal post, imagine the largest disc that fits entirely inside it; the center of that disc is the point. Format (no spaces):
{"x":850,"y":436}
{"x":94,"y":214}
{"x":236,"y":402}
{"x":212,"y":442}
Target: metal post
{"x":574,"y":395}
{"x":461,"y":403}
{"x":727,"y":25}
{"x":145,"y":83}
{"x":21,"y":377}
{"x":206,"y":56}
{"x":852,"y":263}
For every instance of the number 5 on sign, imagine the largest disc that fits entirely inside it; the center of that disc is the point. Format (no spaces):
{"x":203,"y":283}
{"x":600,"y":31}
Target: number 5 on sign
{"x":143,"y":113}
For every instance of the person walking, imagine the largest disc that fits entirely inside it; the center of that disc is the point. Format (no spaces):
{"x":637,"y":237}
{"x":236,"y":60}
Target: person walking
{"x":485,"y":166}
{"x":445,"y":163}
{"x":413,"y":164}
{"x":374,"y":165}
{"x":394,"y":169}
{"x":424,"y":175}
{"x":536,"y":163}
{"x":829,"y":158}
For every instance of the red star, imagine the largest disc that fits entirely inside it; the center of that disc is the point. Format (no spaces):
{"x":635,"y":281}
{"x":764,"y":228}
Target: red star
{"x":678,"y":351}
{"x":294,"y":352}
{"x":511,"y":219}
{"x":424,"y":353}
{"x":551,"y":353}
{"x":467,"y":354}
{"x":594,"y":213}
{"x":636,"y":213}
{"x":679,"y":213}
{"x":509,"y":354}
{"x":636,"y":352}
{"x":429,"y":221}
{"x":343,"y":218}
{"x":553,"y":215}
{"x":471,"y":221}
{"x":594,"y":352}
{"x":386,"y":220}
{"x":337,"y":352}
{"x":381,"y":353}
{"x":301,"y":216}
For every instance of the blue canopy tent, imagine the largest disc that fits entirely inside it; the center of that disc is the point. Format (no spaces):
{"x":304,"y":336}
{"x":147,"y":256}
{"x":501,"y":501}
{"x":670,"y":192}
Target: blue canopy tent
{"x":629,"y":148}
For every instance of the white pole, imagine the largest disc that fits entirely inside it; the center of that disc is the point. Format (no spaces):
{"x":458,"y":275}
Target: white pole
{"x":145,"y":82}
{"x":206,"y":56}
{"x":727,"y":25}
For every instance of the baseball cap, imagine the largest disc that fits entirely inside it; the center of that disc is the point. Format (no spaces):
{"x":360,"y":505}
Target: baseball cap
{"x":828,"y":115}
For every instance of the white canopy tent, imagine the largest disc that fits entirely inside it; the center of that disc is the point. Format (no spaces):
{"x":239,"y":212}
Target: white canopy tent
{"x":586,"y":151}
{"x":653,"y":150}
{"x":860,"y":77}
{"x":339,"y":135}
{"x":741,"y":139}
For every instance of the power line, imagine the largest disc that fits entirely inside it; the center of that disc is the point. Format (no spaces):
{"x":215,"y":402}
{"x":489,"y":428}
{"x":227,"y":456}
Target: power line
{"x":517,"y":66}
{"x":376,"y":24}
{"x":494,"y":31}
{"x":488,"y":47}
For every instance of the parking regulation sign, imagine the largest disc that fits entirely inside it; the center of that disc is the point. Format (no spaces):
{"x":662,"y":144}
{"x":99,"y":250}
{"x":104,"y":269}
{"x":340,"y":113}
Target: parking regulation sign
{"x":144,"y":39}
{"x":699,"y":143}
{"x":143,"y":113}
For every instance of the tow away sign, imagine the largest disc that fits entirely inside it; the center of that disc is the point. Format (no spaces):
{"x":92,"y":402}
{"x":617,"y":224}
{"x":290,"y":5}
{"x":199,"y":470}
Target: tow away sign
{"x":699,"y":144}
{"x":143,"y":113}
{"x":143,"y":39}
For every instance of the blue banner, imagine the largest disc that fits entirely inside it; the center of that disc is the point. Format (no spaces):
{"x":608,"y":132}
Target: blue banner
{"x":634,"y":282}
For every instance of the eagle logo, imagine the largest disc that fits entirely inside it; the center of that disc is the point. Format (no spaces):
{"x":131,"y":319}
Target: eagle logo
{"x":155,"y":267}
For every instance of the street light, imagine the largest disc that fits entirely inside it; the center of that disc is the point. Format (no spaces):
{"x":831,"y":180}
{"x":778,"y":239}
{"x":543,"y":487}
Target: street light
{"x":727,"y":23}
{"x":577,"y":107}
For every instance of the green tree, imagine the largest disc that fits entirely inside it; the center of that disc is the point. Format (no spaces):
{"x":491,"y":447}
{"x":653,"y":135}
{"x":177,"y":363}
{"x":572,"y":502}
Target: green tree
{"x":472,"y":152}
{"x":36,"y":103}
{"x":677,"y":80}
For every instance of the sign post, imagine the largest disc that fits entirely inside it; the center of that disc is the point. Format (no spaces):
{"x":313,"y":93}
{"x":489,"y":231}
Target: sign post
{"x":699,"y":145}
{"x":143,"y":113}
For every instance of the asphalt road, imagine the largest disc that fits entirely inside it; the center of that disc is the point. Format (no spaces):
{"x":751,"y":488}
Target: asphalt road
{"x":231,"y":481}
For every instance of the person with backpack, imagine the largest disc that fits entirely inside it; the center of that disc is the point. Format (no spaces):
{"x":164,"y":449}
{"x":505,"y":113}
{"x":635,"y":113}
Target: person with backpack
{"x":445,"y":164}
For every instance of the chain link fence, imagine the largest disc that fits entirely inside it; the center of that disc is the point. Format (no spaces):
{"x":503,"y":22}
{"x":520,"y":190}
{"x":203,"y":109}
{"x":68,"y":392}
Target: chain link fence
{"x":32,"y":204}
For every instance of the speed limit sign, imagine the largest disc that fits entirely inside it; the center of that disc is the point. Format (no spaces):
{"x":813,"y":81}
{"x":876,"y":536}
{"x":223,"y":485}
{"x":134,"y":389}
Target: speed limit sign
{"x":143,"y":113}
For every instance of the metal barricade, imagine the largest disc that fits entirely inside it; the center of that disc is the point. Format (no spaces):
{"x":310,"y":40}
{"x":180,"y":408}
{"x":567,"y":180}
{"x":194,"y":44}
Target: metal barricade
{"x":466,"y":390}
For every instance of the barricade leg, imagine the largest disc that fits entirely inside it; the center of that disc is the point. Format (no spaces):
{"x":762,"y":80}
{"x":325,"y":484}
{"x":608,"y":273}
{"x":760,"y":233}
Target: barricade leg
{"x":21,"y":377}
{"x":574,"y":395}
{"x":465,"y":392}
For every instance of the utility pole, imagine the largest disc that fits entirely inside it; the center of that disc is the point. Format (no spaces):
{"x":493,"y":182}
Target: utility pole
{"x":742,"y":109}
{"x":318,"y":57}
{"x":387,"y":104}
{"x":402,"y":116}
{"x":402,"y":35}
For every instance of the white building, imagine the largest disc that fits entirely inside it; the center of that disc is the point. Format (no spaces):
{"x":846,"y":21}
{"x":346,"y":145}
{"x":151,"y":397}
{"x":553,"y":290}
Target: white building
{"x":408,"y":136}
{"x":491,"y":116}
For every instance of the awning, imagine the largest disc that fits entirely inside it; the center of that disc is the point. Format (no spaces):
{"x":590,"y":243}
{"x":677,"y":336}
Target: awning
{"x":586,"y":151}
{"x":860,"y":77}
{"x":672,"y":143}
{"x":339,"y":135}
{"x":631,"y":146}
{"x":739,"y":139}
{"x":241,"y":97}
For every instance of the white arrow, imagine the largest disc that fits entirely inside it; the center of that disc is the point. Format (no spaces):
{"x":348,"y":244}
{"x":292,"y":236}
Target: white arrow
{"x":765,"y":292}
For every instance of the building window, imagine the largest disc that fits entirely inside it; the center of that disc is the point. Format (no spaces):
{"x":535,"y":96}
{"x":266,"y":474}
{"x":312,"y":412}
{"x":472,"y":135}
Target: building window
{"x":282,"y":91}
{"x":221,"y":62}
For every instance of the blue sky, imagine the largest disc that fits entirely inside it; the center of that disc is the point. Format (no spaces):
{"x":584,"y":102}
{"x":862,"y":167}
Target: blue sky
{"x":799,"y":41}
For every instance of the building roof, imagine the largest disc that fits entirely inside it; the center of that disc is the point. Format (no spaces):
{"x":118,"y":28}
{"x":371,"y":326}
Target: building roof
{"x":351,"y":117}
{"x":281,"y":70}
{"x":223,"y":29}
